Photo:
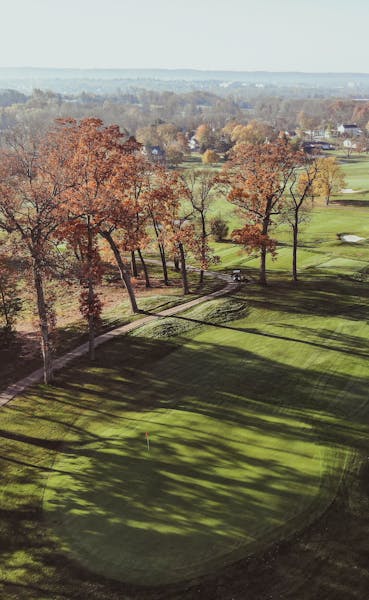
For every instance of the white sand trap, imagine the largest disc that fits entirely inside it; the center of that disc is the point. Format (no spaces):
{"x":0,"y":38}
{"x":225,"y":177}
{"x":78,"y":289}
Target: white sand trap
{"x":348,"y":191}
{"x":353,"y":239}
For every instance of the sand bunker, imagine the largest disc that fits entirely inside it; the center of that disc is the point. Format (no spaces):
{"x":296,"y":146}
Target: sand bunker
{"x":348,"y":191}
{"x":353,"y":239}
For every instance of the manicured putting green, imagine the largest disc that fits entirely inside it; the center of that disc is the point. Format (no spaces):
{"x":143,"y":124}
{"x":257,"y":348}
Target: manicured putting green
{"x":216,"y":484}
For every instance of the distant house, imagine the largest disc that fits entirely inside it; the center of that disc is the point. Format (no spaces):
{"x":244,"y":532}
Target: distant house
{"x":193,"y":144}
{"x":318,"y":134}
{"x":349,"y":144}
{"x":154,"y":153}
{"x":351,"y":130}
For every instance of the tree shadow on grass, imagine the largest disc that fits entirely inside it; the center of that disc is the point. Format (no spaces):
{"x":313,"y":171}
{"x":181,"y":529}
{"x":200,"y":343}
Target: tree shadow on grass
{"x":128,"y":377}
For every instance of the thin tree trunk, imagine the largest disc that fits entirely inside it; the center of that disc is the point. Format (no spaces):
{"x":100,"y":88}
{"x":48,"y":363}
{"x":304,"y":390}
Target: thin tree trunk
{"x":186,"y":289}
{"x":161,"y":250}
{"x":123,"y":271}
{"x":164,"y":263}
{"x":262,"y":274}
{"x":294,"y":255}
{"x":5,"y":309}
{"x":144,"y":266}
{"x":91,"y":321}
{"x":203,"y":247}
{"x":133,"y":264}
{"x":177,"y":266}
{"x":44,"y":326}
{"x":263,"y":253}
{"x":91,"y":318}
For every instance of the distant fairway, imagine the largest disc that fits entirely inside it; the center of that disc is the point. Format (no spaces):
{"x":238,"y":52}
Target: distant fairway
{"x":228,"y":471}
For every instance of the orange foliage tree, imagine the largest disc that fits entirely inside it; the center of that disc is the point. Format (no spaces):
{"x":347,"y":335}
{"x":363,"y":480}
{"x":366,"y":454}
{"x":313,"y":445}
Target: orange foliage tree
{"x":258,"y":177}
{"x":32,"y":181}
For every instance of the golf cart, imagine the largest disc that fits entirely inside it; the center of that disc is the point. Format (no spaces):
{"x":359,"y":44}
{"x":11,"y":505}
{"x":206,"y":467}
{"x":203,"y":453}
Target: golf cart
{"x":236,"y":275}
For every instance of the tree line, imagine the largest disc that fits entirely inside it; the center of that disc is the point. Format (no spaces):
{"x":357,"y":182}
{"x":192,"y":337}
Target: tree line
{"x":65,"y":191}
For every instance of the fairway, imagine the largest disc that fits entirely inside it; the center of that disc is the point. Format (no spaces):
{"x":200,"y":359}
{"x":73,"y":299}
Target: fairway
{"x":226,"y":474}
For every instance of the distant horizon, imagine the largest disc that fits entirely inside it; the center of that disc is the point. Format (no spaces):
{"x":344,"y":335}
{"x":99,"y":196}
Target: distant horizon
{"x":188,"y":69}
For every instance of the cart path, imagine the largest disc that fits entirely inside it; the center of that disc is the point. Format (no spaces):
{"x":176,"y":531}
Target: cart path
{"x":36,"y":377}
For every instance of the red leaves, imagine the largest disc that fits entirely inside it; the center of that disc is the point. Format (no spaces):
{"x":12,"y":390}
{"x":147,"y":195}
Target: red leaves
{"x":251,"y":237}
{"x":90,"y":305}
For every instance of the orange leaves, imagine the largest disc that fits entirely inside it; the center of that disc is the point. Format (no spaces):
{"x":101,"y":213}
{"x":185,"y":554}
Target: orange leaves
{"x":259,"y":177}
{"x":252,"y":238}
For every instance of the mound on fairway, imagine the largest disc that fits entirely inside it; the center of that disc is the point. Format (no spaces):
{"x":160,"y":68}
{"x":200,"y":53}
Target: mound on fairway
{"x":225,"y":475}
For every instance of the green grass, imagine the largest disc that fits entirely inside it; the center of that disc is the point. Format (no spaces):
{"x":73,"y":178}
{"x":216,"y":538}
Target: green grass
{"x":256,"y":483}
{"x":253,"y":423}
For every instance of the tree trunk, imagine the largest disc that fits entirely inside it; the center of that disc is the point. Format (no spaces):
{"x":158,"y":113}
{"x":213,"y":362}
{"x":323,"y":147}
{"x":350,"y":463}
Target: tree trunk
{"x":262,"y":273}
{"x":144,"y":266}
{"x":133,"y":264}
{"x":91,"y":318}
{"x":177,"y":266}
{"x":294,"y":255}
{"x":164,"y":263}
{"x":44,"y":326}
{"x":5,"y":309}
{"x":186,"y":289}
{"x":123,"y":271}
{"x":203,"y":246}
{"x":263,"y":252}
{"x":91,"y":321}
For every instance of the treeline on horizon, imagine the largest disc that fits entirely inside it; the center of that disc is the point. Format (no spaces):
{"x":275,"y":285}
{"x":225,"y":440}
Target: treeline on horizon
{"x":186,"y":111}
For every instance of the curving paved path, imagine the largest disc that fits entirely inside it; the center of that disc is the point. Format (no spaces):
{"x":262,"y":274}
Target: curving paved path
{"x":23,"y":384}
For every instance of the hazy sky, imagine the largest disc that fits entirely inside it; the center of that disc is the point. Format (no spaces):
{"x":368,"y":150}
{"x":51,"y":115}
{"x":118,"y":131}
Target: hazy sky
{"x":302,"y":35}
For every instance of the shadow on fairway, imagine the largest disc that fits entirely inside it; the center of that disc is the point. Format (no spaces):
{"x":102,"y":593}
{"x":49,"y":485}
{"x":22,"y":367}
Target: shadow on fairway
{"x":250,"y":394}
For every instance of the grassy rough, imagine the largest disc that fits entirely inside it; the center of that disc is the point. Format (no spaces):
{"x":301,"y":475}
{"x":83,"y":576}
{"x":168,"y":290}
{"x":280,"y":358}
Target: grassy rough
{"x":220,"y":310}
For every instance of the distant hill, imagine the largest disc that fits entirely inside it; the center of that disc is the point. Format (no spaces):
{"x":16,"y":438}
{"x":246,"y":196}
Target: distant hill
{"x":106,"y":80}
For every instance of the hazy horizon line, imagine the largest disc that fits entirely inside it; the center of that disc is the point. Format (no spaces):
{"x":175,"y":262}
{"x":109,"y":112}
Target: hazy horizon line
{"x":188,"y":69}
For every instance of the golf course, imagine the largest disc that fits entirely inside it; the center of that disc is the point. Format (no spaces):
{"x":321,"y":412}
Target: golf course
{"x":207,"y":450}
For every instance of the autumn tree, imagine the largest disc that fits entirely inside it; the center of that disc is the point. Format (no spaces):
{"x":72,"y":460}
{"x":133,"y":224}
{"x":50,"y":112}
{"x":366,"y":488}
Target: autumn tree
{"x":258,"y":177}
{"x":210,"y":157}
{"x":254,"y":132}
{"x":32,"y":180}
{"x":330,"y":178}
{"x":105,"y":169}
{"x":172,"y":227}
{"x":10,"y":302}
{"x":201,"y":185}
{"x":205,"y":137}
{"x":92,"y":165}
{"x":296,"y":209}
{"x":162,"y":206}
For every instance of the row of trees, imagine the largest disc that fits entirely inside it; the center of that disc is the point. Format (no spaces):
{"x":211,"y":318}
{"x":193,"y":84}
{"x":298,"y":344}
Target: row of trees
{"x":83,"y":182}
{"x":273,"y":183}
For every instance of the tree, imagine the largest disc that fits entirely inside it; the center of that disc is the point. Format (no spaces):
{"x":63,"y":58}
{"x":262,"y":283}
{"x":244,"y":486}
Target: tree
{"x":330,"y":178}
{"x":205,"y":136}
{"x":105,"y":169}
{"x":258,"y":177}
{"x":296,"y":210}
{"x":209,"y":157}
{"x":255,"y":132}
{"x":219,"y":228}
{"x":92,"y":165}
{"x":200,"y":189}
{"x":10,"y":303}
{"x":32,"y":180}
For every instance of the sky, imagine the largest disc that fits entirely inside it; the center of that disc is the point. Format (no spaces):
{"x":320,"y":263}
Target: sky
{"x":246,"y":35}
